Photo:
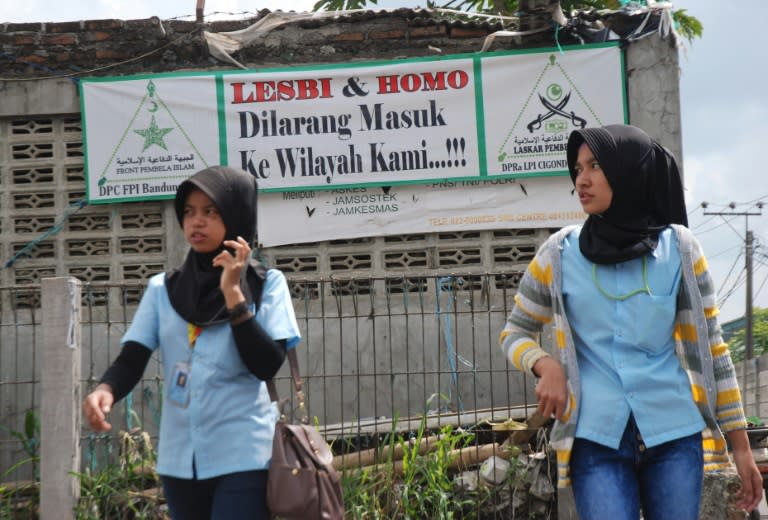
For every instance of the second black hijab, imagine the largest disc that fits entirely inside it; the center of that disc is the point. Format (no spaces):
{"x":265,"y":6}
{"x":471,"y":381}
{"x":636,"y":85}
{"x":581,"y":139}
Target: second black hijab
{"x":647,"y":193}
{"x":194,"y":287}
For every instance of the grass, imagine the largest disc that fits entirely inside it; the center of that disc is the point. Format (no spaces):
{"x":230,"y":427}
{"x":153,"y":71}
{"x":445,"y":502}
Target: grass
{"x":406,"y":482}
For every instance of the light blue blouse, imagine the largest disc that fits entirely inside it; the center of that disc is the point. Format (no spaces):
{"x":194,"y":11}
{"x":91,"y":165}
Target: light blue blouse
{"x":229,"y":421}
{"x":625,"y":348}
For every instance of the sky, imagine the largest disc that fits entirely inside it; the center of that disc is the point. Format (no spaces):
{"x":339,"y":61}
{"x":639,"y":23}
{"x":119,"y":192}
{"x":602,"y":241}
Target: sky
{"x":724,"y":116}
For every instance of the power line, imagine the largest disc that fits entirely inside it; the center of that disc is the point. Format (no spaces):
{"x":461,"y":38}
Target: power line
{"x":707,"y":221}
{"x":749,"y":246}
{"x":760,"y":198}
{"x":725,"y":280}
{"x":736,"y":286}
{"x":765,"y":279}
{"x":694,"y":210}
{"x":712,"y":228}
{"x":710,"y":257}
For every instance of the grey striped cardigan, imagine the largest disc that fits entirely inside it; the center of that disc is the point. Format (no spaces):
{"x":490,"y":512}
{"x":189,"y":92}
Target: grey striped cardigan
{"x":698,"y":344}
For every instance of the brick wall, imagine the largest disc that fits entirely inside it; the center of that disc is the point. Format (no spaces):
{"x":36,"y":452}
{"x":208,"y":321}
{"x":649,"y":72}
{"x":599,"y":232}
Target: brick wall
{"x":116,"y":47}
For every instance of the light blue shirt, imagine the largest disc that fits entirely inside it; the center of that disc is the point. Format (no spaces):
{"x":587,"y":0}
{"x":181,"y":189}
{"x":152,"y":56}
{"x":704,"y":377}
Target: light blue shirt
{"x":625,"y":348}
{"x":229,"y":421}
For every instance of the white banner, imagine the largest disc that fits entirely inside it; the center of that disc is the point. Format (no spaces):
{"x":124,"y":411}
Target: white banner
{"x":144,"y":136}
{"x":400,"y":123}
{"x":409,"y":122}
{"x":549,"y":96}
{"x":309,"y":216}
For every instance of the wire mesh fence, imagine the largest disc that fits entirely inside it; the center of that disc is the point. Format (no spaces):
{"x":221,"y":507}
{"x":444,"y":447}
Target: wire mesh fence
{"x":380,"y":357}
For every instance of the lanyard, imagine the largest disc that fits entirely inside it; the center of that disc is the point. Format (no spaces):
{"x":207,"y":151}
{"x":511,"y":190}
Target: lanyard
{"x":193,"y":332}
{"x":622,"y":297}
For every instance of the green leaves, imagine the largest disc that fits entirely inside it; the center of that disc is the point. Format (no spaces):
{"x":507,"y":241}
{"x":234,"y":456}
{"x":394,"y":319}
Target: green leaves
{"x":686,"y":25}
{"x":738,"y":345}
{"x":341,"y":5}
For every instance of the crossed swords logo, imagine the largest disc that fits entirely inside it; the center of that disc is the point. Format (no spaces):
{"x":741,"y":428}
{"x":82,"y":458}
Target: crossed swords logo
{"x":556,"y":109}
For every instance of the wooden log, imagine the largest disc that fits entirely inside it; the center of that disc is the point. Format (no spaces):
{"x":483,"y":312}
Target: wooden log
{"x":155,"y":494}
{"x":20,"y":487}
{"x":461,"y":459}
{"x":374,"y":455}
{"x":370,"y":457}
{"x":535,"y":422}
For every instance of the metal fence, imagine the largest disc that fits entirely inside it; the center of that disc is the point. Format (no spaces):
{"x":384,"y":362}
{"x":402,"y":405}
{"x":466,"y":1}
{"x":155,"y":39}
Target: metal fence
{"x":377,"y":355}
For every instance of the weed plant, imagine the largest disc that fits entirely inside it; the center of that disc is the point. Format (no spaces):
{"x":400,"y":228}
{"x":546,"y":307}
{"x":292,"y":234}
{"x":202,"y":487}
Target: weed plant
{"x":22,"y":501}
{"x":420,"y":486}
{"x":123,"y":491}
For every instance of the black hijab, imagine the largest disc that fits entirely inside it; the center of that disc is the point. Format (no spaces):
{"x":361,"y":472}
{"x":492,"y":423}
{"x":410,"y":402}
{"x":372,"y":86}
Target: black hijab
{"x":647,"y":193}
{"x":194,"y":287}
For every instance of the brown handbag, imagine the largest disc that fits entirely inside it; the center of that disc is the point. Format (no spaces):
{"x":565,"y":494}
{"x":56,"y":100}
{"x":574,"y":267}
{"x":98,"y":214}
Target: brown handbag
{"x":302,"y":483}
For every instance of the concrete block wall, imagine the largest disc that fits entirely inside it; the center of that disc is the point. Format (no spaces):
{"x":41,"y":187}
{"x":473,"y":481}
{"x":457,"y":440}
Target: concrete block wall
{"x":753,"y":380}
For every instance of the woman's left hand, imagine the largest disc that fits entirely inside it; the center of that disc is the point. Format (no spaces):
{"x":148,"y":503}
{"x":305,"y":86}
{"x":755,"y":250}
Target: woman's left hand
{"x":232,"y":265}
{"x":751,"y":492}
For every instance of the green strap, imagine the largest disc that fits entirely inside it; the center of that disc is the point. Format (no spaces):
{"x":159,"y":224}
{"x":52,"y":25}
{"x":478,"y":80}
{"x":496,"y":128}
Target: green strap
{"x":622,"y":297}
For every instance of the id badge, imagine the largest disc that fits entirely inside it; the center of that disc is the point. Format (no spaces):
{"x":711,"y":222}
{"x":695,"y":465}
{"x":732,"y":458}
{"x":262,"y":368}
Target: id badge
{"x":178,"y":392}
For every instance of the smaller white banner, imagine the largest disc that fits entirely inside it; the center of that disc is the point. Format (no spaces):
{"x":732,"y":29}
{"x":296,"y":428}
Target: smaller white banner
{"x":310,"y":216}
{"x":146,"y":136}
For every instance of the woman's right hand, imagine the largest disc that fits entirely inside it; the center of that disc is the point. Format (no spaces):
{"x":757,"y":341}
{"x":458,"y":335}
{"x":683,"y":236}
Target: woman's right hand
{"x":551,"y":389}
{"x":97,"y":405}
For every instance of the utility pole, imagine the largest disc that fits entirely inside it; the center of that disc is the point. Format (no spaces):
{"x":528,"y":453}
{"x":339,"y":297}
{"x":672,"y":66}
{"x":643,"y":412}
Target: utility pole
{"x":749,"y":340}
{"x":749,"y":248}
{"x":199,"y":7}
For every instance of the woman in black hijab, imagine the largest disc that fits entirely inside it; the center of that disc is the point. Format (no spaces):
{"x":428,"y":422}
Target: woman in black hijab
{"x":194,"y":287}
{"x":223,"y":325}
{"x":647,"y":192}
{"x":643,"y":389}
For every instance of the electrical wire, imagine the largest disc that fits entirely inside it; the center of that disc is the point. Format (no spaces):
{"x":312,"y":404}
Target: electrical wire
{"x":725,"y":280}
{"x":713,"y":228}
{"x":706,"y":221}
{"x":736,"y":286}
{"x":733,"y":228}
{"x":710,"y":257}
{"x":757,"y":293}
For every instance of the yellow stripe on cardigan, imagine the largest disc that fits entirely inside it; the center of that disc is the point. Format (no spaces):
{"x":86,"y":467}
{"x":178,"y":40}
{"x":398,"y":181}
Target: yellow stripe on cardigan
{"x":542,"y":319}
{"x":570,"y":408}
{"x":699,"y":394}
{"x":728,"y":397}
{"x":712,"y":446}
{"x":711,"y":312}
{"x":719,"y":349}
{"x":560,"y":337}
{"x":734,"y":416}
{"x":685,"y":332}
{"x":520,"y":350}
{"x":700,"y":266}
{"x":542,"y":275}
{"x":503,"y":335}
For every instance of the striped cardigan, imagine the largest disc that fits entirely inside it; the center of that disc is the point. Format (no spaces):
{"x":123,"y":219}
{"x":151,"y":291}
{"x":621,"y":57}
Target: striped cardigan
{"x":698,"y":344}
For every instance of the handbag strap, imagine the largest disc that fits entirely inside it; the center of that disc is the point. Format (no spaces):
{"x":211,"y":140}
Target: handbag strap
{"x":293,"y":363}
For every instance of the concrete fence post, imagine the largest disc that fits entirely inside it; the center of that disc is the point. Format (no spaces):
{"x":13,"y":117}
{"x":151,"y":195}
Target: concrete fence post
{"x":60,"y":399}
